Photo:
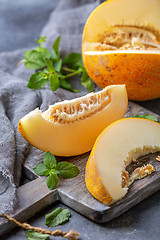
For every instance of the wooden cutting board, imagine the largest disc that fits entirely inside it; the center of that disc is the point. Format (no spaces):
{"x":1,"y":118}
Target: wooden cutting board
{"x":35,"y":196}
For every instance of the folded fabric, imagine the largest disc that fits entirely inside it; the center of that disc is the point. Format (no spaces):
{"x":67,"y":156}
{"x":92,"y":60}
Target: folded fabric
{"x":16,"y":99}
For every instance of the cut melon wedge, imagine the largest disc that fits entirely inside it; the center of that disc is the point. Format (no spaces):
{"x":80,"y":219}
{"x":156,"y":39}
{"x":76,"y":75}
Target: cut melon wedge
{"x":71,"y":127}
{"x":116,"y":147}
{"x":121,"y":45}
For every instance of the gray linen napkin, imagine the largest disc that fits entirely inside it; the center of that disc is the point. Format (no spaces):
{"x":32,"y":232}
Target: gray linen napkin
{"x":16,"y":99}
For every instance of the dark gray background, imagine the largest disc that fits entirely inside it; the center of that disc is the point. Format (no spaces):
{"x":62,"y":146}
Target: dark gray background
{"x":21,"y":22}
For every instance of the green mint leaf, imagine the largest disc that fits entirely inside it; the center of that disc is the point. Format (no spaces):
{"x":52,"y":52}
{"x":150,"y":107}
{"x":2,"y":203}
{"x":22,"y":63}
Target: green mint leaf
{"x":54,"y":171}
{"x":57,"y":65}
{"x":55,"y":45}
{"x":37,"y":80}
{"x":150,"y":117}
{"x":46,"y":172}
{"x":87,"y":82}
{"x":41,"y":170}
{"x":32,"y":65}
{"x":57,"y":217}
{"x":29,"y":53}
{"x":54,"y":55}
{"x":49,"y":160}
{"x":44,"y":53}
{"x":49,"y":64}
{"x":34,"y":59}
{"x":41,"y":39}
{"x":73,"y":60}
{"x":52,"y":215}
{"x":32,"y":235}
{"x":66,"y":85}
{"x":67,"y":170}
{"x":37,"y":56}
{"x":54,"y":82}
{"x":52,"y":181}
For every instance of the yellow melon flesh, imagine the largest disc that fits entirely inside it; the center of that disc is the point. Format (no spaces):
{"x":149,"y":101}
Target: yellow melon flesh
{"x":121,"y":45}
{"x":142,"y":14}
{"x":70,"y":127}
{"x":115,"y":148}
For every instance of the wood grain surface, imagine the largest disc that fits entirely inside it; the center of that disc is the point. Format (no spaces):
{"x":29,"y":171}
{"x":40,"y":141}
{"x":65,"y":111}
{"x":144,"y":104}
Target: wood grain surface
{"x":35,"y":196}
{"x":32,"y":198}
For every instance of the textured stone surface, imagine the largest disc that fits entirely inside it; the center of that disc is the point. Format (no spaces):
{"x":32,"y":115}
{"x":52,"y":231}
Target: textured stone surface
{"x":20,"y":23}
{"x":139,"y":223}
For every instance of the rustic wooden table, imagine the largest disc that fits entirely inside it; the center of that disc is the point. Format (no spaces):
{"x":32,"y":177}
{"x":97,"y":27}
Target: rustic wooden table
{"x":140,"y":222}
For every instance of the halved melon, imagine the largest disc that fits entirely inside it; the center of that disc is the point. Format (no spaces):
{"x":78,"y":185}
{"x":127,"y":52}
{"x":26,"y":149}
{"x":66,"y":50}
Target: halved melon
{"x":70,"y":127}
{"x":121,"y":44}
{"x":116,"y":147}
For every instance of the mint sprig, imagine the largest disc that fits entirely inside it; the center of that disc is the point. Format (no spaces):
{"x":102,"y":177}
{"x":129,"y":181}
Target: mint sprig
{"x":74,"y":61}
{"x":50,"y":67}
{"x":146,"y":116}
{"x":57,"y":217}
{"x":52,"y":169}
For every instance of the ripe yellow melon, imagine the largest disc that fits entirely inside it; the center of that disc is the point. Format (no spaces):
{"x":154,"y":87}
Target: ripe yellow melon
{"x":115,"y":148}
{"x":70,"y":127}
{"x":121,"y":45}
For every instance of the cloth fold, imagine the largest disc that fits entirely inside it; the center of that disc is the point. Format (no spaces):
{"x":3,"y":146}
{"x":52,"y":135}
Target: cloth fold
{"x":16,"y":99}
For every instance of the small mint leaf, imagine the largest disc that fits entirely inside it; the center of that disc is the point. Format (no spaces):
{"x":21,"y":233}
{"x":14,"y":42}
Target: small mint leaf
{"x":150,"y":117}
{"x":87,"y":82}
{"x":52,"y":181}
{"x":32,"y":65}
{"x":52,"y":215}
{"x":66,"y":85}
{"x":49,"y":160}
{"x":37,"y":80}
{"x":54,"y":55}
{"x":32,"y":235}
{"x":46,"y":172}
{"x":54,"y":171}
{"x":67,"y":170}
{"x":55,"y":45}
{"x":41,"y":39}
{"x":34,"y":59}
{"x":49,"y":64}
{"x":44,"y":53}
{"x":57,"y":217}
{"x":73,"y":60}
{"x":28,"y":53}
{"x":57,"y":65}
{"x":54,"y":82}
{"x":41,"y":170}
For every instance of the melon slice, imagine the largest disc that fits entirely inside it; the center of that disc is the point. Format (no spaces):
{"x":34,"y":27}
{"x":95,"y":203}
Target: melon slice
{"x":70,"y":127}
{"x":116,"y":147}
{"x":121,"y":45}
